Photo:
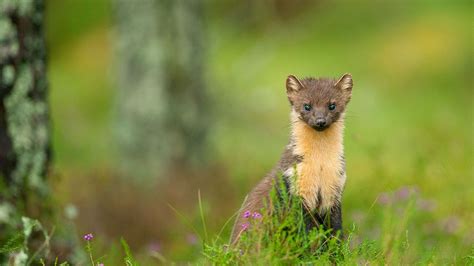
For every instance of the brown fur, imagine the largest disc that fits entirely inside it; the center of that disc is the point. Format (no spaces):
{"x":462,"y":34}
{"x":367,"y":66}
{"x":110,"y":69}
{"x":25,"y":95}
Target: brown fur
{"x":313,"y":161}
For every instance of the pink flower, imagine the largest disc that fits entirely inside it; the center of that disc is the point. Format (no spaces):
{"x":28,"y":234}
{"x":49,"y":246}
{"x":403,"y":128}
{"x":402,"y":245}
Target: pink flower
{"x":256,"y":215}
{"x":426,"y":204}
{"x":246,"y":214}
{"x":451,"y":224}
{"x":403,"y":193}
{"x":245,"y":226}
{"x":191,"y":239}
{"x":154,"y":246}
{"x":88,"y":237}
{"x":385,"y":199}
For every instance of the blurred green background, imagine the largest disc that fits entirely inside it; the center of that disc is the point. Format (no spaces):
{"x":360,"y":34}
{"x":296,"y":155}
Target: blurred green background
{"x":409,"y":125}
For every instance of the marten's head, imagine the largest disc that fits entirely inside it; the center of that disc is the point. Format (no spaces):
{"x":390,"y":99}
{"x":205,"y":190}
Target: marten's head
{"x":319,"y":102}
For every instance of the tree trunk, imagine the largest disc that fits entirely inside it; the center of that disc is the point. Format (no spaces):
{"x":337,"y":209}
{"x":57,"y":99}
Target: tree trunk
{"x":24,"y":113}
{"x":161,"y":94}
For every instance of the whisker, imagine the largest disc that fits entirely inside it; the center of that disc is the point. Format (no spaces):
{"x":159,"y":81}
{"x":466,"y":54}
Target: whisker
{"x":351,"y":114}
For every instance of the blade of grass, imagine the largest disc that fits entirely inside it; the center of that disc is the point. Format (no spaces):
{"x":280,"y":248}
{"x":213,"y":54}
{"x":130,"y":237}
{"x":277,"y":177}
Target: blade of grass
{"x":226,"y":223}
{"x":201,"y":212}
{"x":184,"y":220}
{"x":129,"y":260}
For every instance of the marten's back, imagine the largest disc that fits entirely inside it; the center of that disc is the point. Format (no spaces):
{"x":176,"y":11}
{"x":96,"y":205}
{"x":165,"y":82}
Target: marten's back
{"x":254,"y":202}
{"x":259,"y":197}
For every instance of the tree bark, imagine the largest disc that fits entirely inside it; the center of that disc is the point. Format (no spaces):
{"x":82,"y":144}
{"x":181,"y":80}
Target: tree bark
{"x":24,"y":113}
{"x":162,"y":114}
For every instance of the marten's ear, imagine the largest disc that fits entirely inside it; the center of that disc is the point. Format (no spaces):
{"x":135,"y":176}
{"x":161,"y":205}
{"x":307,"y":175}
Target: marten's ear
{"x":293,"y":84}
{"x":345,"y":83}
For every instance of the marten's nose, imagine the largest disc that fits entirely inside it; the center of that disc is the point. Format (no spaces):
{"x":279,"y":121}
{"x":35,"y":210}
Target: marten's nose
{"x":320,"y":122}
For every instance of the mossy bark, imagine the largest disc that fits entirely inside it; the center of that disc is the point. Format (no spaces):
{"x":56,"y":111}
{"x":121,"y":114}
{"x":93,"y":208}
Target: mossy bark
{"x":162,"y":113}
{"x":24,"y":113}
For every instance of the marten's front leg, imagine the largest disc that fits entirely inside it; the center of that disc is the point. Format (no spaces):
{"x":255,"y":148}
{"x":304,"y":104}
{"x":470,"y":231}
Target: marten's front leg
{"x":335,"y":220}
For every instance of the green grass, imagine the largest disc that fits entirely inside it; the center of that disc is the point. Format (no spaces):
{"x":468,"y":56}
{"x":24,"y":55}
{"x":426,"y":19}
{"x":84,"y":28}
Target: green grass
{"x":280,"y":237}
{"x":394,"y":238}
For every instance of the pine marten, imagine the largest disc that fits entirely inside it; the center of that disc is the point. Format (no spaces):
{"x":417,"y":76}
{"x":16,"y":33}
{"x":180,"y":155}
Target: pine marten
{"x":312,"y":165}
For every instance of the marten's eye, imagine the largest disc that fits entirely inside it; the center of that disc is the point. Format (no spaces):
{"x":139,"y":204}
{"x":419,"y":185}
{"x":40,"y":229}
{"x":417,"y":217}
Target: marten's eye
{"x":332,"y":106}
{"x":307,"y":107}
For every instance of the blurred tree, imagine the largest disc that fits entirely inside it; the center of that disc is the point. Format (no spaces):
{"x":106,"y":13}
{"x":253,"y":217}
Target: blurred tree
{"x":257,"y":15}
{"x":24,"y":114}
{"x":161,"y":94}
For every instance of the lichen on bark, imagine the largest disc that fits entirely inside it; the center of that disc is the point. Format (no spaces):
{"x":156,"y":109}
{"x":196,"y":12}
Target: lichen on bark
{"x":28,"y":131}
{"x":162,"y":113}
{"x":24,"y":114}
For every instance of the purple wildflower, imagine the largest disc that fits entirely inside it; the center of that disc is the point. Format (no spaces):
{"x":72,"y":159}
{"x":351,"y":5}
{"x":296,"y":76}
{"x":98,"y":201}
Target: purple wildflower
{"x":256,"y":215}
{"x":88,"y":237}
{"x":403,"y":193}
{"x":245,"y":226}
{"x":358,"y":216}
{"x":451,"y":224}
{"x":246,"y":214}
{"x":426,"y":204}
{"x":154,"y":247}
{"x":384,"y":199}
{"x":191,"y":239}
{"x":100,"y":264}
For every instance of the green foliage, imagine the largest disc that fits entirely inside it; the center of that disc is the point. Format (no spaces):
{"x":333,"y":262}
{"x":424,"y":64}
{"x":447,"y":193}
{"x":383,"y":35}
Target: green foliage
{"x":278,"y":237}
{"x":129,"y":260}
{"x":17,"y":247}
{"x":281,"y":238}
{"x":89,"y":251}
{"x":13,"y":244}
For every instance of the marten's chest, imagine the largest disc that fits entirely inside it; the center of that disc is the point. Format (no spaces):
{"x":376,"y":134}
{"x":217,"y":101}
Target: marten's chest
{"x":319,"y":177}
